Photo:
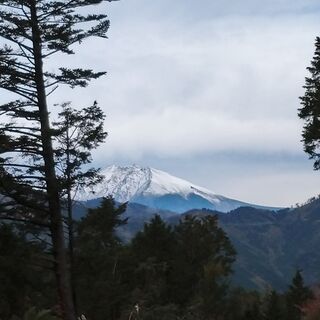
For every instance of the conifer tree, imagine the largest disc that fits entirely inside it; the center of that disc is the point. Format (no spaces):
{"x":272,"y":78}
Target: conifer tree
{"x":297,"y":295}
{"x":76,"y":134}
{"x":24,"y":279}
{"x":31,"y":32}
{"x":310,"y":110}
{"x":155,"y":240}
{"x":274,"y":307}
{"x":97,"y":251}
{"x":205,"y":254}
{"x":152,"y":251}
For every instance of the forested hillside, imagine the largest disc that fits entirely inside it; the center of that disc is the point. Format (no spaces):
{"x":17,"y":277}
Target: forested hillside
{"x":165,"y":272}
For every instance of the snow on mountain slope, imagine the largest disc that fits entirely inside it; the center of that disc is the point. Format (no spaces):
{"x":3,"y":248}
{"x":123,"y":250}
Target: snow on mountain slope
{"x":158,"y":189}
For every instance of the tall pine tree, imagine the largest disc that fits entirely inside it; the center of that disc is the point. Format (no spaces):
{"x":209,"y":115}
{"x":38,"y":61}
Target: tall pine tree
{"x":97,"y":251}
{"x":310,"y":110}
{"x":297,"y":295}
{"x":77,"y":133}
{"x":274,"y":307}
{"x":31,"y":31}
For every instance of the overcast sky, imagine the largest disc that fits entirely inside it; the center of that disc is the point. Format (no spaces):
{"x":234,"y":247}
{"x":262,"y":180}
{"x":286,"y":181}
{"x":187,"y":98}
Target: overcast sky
{"x":208,"y":91}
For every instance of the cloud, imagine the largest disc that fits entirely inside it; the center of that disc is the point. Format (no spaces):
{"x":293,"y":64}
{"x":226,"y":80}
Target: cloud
{"x":191,"y":79}
{"x":229,"y":83}
{"x":175,"y":132}
{"x":209,"y":91}
{"x":189,"y":10}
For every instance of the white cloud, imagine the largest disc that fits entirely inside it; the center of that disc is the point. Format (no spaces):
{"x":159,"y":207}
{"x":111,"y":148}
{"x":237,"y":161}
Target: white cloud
{"x":177,"y":132}
{"x":280,"y":188}
{"x":230,"y":83}
{"x":192,"y":78}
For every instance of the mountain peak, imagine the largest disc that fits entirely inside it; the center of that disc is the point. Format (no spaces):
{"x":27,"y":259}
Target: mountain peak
{"x":124,"y":183}
{"x":127,"y":182}
{"x":159,"y":189}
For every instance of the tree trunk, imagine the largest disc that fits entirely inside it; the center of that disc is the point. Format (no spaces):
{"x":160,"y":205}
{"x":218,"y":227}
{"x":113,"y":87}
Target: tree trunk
{"x":56,"y":223}
{"x":70,"y":237}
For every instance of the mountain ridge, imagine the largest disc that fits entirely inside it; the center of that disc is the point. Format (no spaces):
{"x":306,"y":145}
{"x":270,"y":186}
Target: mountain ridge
{"x":160,"y":190}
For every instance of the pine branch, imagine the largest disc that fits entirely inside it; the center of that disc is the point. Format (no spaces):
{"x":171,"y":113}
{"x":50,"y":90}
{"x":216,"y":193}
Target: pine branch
{"x":23,"y":133}
{"x":24,"y":127}
{"x":52,"y":90}
{"x":13,"y":90}
{"x":25,"y":221}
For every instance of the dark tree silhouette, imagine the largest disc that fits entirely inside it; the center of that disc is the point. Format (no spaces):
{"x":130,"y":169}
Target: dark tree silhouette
{"x":31,"y":31}
{"x":274,"y":308}
{"x":76,"y":134}
{"x":297,"y":295}
{"x":310,"y":110}
{"x":97,"y":250}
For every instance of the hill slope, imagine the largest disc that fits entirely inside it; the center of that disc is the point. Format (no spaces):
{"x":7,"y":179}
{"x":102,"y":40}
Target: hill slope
{"x":272,"y":246}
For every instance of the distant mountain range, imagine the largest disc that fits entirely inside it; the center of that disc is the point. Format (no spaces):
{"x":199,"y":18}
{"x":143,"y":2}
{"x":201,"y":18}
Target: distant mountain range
{"x":160,"y":190}
{"x":271,"y":245}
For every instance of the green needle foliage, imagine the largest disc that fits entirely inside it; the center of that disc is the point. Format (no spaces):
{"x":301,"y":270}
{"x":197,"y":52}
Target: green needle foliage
{"x":310,"y":110}
{"x":297,"y":295}
{"x":31,"y":32}
{"x":97,"y":254}
{"x":23,"y":273}
{"x":274,"y":307}
{"x":181,"y":268}
{"x":76,"y":134}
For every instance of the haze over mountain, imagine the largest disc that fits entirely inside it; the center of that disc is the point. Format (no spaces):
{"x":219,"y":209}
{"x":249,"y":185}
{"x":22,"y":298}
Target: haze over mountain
{"x":158,"y":189}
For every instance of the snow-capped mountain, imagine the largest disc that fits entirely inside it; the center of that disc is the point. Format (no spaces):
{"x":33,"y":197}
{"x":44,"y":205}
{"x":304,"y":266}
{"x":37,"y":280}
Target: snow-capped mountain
{"x":160,"y":190}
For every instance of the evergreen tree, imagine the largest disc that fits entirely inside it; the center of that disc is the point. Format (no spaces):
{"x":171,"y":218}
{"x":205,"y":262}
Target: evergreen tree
{"x":155,"y":240}
{"x":181,"y":271}
{"x":310,"y":110}
{"x":76,"y":134}
{"x":274,"y":307}
{"x":203,"y":261}
{"x":31,"y":32}
{"x":152,"y":252}
{"x":24,"y":280}
{"x":297,"y":295}
{"x":98,"y":262}
{"x":243,"y":305}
